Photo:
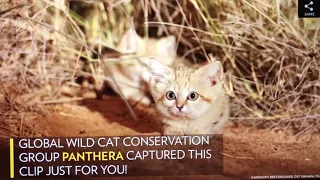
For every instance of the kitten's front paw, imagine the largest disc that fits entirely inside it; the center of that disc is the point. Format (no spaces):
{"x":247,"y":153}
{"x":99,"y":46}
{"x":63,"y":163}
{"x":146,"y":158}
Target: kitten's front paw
{"x":145,"y":101}
{"x":172,"y":131}
{"x":140,"y":99}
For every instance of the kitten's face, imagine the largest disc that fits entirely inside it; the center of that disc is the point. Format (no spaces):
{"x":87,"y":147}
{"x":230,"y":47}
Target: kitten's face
{"x":185,"y":93}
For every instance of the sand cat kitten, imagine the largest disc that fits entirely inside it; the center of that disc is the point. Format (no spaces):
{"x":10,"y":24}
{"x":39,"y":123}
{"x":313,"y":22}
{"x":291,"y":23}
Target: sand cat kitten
{"x":191,"y":99}
{"x":131,"y":74}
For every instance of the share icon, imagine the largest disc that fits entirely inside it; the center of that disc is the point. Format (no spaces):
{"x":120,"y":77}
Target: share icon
{"x":310,"y":4}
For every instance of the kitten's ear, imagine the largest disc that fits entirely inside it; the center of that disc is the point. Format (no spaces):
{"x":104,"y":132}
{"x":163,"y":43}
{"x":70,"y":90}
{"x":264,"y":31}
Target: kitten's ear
{"x":168,"y":45}
{"x":130,"y":41}
{"x":211,"y":73}
{"x":158,"y":71}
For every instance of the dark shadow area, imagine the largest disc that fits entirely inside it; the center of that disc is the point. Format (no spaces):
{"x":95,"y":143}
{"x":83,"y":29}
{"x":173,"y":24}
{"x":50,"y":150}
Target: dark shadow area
{"x":115,"y":111}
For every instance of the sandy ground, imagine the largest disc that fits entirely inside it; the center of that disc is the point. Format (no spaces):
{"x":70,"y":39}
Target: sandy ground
{"x":247,"y":151}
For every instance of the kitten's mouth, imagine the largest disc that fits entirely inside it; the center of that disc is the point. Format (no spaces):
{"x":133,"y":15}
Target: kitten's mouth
{"x":178,"y":114}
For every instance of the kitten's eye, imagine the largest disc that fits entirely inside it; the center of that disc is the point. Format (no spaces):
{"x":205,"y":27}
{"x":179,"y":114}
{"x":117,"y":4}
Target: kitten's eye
{"x":170,"y":95}
{"x":193,"y":96}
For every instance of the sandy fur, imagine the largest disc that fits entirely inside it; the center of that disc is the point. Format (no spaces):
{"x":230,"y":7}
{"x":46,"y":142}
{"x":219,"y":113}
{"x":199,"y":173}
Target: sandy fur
{"x":206,"y":115}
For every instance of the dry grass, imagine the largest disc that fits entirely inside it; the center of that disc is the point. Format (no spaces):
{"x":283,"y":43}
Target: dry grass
{"x":271,"y":57}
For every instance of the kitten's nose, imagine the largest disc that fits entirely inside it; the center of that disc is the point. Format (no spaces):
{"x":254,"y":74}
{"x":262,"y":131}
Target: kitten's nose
{"x":179,"y":107}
